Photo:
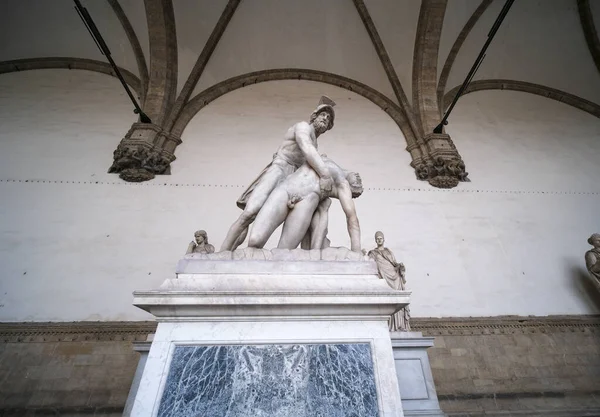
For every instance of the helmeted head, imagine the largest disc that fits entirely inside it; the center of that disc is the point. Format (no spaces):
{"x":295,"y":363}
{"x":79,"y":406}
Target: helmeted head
{"x":201,"y":236}
{"x":594,"y":240}
{"x":323,"y":116}
{"x":355,"y":182}
{"x":379,"y":238}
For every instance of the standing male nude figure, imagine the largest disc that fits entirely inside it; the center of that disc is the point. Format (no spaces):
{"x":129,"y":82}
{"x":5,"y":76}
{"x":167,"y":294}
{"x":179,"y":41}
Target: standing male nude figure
{"x":299,"y":146}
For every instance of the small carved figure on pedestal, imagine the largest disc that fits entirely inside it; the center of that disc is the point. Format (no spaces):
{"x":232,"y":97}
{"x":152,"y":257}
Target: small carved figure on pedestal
{"x":200,"y":244}
{"x":592,"y":257}
{"x":394,"y":274}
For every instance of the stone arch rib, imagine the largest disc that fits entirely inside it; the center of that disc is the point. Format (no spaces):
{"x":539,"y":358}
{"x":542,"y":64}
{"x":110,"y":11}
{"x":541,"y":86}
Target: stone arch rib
{"x":135,"y":45}
{"x":386,"y":62}
{"x":462,"y":36}
{"x":589,"y":30}
{"x":162,"y":84}
{"x":72,"y":64}
{"x":425,"y":57}
{"x":537,"y":89}
{"x":207,"y":96}
{"x":201,"y":62}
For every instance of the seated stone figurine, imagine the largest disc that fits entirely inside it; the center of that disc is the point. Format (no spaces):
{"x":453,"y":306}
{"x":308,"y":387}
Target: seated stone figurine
{"x":200,"y":243}
{"x":295,"y":200}
{"x":592,"y":257}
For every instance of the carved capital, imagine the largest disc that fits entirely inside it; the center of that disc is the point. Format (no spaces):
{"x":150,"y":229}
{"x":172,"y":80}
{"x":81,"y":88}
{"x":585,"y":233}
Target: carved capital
{"x":443,"y":167}
{"x":140,"y":155}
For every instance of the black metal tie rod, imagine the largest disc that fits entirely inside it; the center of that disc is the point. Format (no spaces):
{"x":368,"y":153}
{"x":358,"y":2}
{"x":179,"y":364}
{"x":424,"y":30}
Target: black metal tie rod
{"x":475,"y":67}
{"x":91,"y":27}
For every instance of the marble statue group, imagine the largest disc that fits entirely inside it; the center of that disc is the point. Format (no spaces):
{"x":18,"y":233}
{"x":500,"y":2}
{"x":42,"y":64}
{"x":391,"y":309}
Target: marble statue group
{"x":296,"y":190}
{"x":293,"y":190}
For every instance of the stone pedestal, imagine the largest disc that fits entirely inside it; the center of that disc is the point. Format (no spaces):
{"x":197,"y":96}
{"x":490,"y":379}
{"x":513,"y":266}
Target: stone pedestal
{"x":271,"y":338}
{"x":415,"y":380}
{"x":143,"y":348}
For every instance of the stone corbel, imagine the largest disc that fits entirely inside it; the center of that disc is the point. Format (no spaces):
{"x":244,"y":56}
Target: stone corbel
{"x":144,"y":152}
{"x":443,"y":166}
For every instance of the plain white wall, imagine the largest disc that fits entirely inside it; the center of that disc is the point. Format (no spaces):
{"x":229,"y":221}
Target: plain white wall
{"x":509,"y":242}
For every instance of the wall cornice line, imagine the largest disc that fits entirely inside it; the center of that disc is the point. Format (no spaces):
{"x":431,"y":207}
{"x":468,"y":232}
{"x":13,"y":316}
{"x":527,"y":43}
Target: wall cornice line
{"x":36,"y":332}
{"x":81,"y":331}
{"x":505,"y":325}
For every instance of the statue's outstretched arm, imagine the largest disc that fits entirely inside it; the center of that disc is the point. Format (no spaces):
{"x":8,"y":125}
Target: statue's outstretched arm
{"x":302,"y":134}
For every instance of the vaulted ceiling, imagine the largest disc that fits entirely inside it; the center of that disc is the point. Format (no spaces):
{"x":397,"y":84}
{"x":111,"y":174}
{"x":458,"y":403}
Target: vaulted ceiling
{"x":408,"y":57}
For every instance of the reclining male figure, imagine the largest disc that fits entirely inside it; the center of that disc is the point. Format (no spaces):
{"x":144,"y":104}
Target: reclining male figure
{"x":295,"y":200}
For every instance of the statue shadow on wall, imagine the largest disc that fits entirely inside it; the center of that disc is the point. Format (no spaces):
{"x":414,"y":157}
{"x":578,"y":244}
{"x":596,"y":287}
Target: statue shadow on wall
{"x":589,"y":292}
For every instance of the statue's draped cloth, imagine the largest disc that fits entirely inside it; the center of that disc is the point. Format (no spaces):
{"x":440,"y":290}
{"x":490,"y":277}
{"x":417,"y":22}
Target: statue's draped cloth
{"x":393,"y":273}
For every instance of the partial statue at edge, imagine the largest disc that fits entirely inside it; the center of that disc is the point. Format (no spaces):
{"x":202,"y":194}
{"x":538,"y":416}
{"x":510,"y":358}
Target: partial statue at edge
{"x":592,"y":257}
{"x":200,"y":243}
{"x":299,"y":147}
{"x":394,"y":274}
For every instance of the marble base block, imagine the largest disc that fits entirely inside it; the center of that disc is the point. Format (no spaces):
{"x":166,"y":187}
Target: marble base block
{"x":272,"y":339}
{"x":415,"y":380}
{"x":143,"y":348}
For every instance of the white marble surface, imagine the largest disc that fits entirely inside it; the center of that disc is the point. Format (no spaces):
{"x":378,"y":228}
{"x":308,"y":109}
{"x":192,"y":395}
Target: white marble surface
{"x":271,"y":303}
{"x":171,"y":334}
{"x":415,"y":381}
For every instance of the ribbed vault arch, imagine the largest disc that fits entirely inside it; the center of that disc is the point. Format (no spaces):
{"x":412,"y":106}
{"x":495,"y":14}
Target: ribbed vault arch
{"x":589,"y":30}
{"x":460,"y":39}
{"x":207,"y":96}
{"x":525,"y":87}
{"x":72,"y":64}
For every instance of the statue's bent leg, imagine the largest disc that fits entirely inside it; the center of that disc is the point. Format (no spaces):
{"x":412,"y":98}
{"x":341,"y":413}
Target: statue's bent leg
{"x":240,"y":239}
{"x":270,"y":216}
{"x":238,"y":230}
{"x":319,"y":224}
{"x":298,"y":221}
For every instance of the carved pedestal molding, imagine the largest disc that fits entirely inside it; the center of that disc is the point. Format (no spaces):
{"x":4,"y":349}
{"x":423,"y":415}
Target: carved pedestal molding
{"x":145,"y":151}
